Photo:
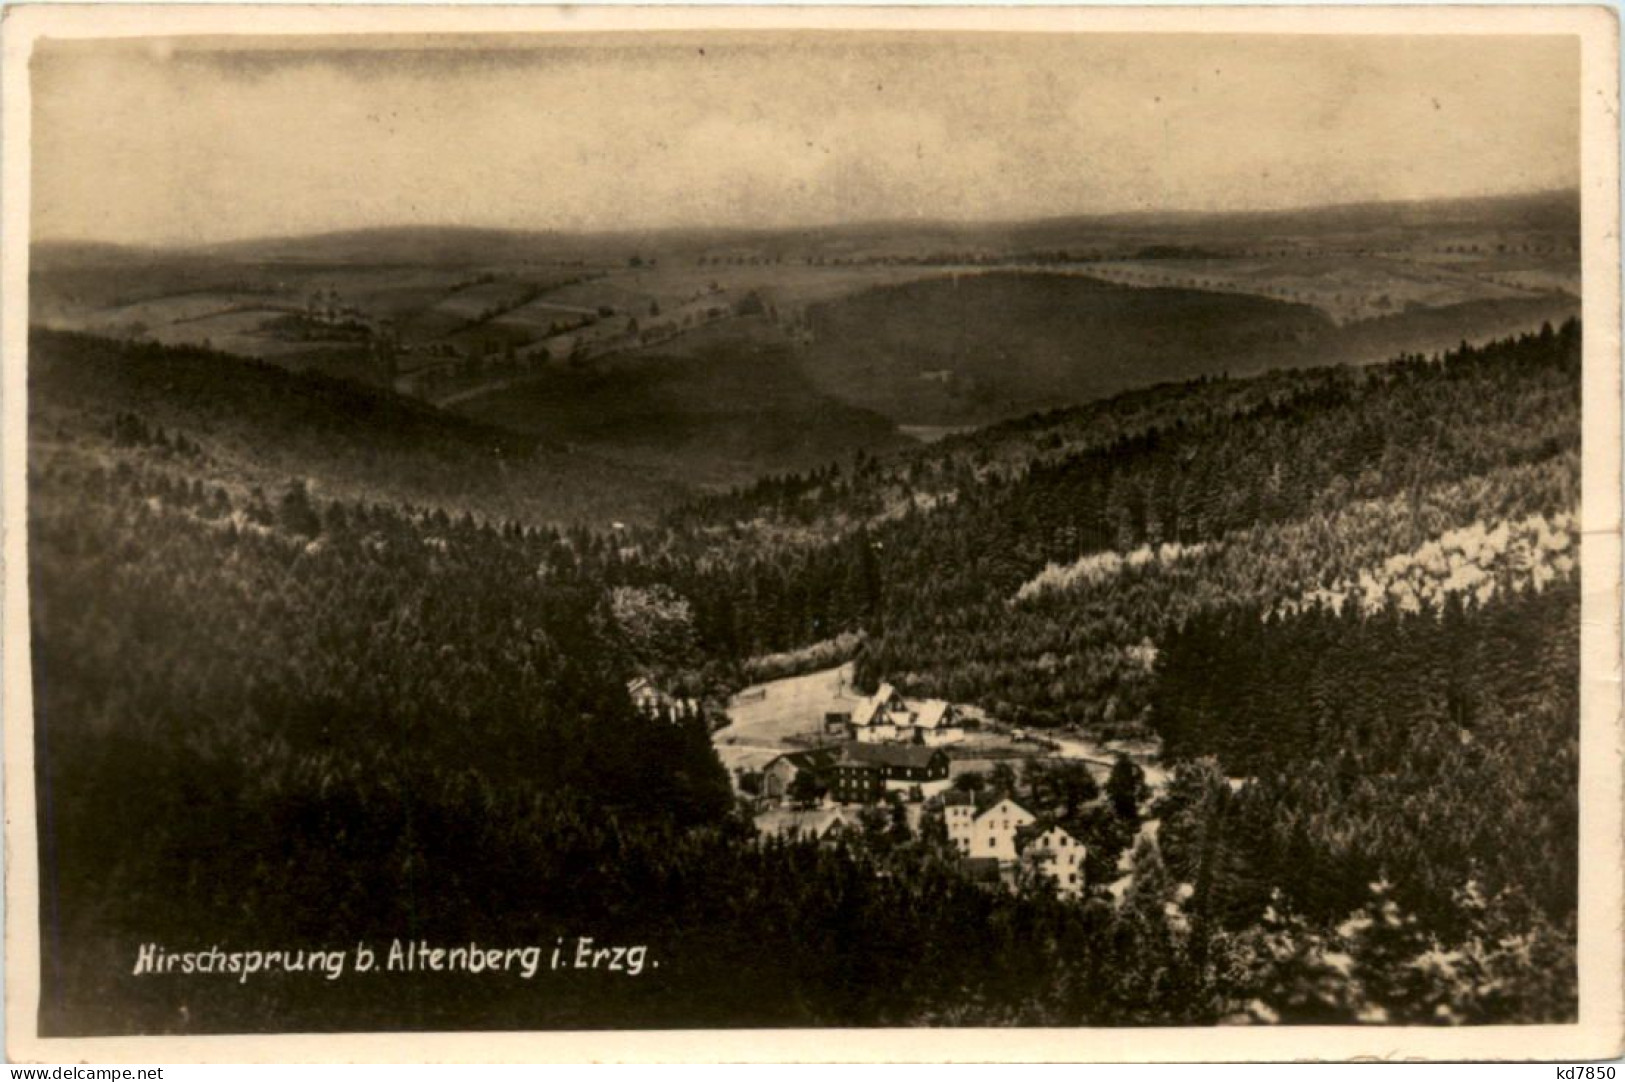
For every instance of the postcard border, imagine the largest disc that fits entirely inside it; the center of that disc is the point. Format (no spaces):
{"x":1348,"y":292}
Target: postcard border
{"x":1600,"y":1032}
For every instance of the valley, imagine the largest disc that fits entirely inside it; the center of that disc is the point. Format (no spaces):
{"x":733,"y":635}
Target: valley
{"x":1028,"y":535}
{"x":1093,"y":599}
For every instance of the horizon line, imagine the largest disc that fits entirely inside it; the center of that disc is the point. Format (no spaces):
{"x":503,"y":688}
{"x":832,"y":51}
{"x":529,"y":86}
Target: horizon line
{"x":1104,"y":217}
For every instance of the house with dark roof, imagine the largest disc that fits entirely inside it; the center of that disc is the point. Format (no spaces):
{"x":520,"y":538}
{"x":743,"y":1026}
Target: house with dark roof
{"x":778,"y":774}
{"x":865,"y":772}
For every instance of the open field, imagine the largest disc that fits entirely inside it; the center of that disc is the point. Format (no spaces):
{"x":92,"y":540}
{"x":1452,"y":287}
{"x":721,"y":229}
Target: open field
{"x":1347,"y":288}
{"x":781,"y":715}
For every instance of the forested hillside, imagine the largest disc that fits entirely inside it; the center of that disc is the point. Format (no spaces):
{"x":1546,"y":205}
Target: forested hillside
{"x":1033,"y":587}
{"x":264,"y":425}
{"x":330,"y":723}
{"x":1346,"y":604}
{"x":720,"y":411}
{"x":311,"y":697}
{"x":1339,"y":719}
{"x":303,"y":725}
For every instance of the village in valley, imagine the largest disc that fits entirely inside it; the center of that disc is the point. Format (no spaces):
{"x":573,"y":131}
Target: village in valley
{"x":812,"y":756}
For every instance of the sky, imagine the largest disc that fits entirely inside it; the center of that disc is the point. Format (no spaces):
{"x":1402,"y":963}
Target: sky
{"x":187,"y":141}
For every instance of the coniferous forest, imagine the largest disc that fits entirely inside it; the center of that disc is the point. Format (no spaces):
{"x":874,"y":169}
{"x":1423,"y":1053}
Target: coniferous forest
{"x":301,"y":688}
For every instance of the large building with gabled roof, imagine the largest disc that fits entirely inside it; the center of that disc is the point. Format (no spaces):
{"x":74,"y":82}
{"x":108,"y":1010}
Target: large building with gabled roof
{"x":866,"y":772}
{"x":1006,"y":834}
{"x":886,"y":717}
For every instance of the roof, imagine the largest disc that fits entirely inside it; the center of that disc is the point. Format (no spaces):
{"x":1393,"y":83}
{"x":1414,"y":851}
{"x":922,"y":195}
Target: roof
{"x":1037,"y":831}
{"x":995,"y":807}
{"x":864,"y":712}
{"x":957,"y":798}
{"x":811,"y":759}
{"x":749,"y":758}
{"x":884,"y":693}
{"x":933,"y":712}
{"x":905,"y":755}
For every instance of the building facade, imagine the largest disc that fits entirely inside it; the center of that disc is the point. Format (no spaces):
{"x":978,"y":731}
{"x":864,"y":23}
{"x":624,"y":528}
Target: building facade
{"x":993,"y":834}
{"x":887,"y":718}
{"x":853,"y":782}
{"x":864,"y":772}
{"x":958,"y":815}
{"x":1058,"y":856}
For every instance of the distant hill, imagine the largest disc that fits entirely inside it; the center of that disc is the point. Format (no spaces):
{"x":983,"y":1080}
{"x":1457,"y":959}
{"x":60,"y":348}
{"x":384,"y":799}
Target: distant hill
{"x":724,"y":410}
{"x":984,"y":347}
{"x":1555,"y":211}
{"x":414,"y":245}
{"x":1551,"y":211}
{"x":267,"y":426}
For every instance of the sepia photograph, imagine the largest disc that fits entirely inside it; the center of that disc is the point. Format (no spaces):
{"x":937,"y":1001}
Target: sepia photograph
{"x":583,"y":522}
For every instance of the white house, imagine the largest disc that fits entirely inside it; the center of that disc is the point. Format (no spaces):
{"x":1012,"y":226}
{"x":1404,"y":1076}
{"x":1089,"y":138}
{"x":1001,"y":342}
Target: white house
{"x":993,"y":833}
{"x":874,"y":720}
{"x":871,"y":724}
{"x":887,"y":718}
{"x":1059,"y":856}
{"x":937,"y":722}
{"x":1007,"y":833}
